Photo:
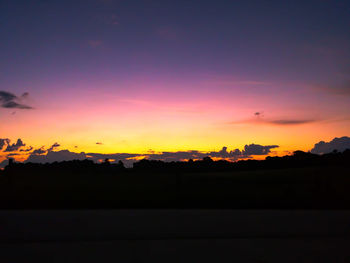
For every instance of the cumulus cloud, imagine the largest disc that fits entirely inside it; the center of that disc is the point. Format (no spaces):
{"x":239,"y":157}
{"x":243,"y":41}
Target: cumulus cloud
{"x":15,"y":146}
{"x":58,"y":156}
{"x":129,"y":158}
{"x":11,"y":101}
{"x":339,"y":144}
{"x":256,"y":149}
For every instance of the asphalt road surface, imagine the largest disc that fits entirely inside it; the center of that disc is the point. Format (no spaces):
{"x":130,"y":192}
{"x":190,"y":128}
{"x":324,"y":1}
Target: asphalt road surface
{"x":174,"y":236}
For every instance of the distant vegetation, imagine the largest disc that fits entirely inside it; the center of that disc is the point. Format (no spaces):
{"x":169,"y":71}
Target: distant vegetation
{"x":302,"y":180}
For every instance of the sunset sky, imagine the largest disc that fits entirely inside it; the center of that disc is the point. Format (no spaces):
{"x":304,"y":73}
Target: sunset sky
{"x":114,"y":76}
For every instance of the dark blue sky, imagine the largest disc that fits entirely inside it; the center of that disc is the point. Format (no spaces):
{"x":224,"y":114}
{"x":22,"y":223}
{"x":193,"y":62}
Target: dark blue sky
{"x":279,"y":39}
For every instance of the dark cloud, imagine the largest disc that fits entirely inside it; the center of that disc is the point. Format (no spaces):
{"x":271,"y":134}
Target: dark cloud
{"x":39,"y":151}
{"x":339,"y":144}
{"x":27,"y":150}
{"x":99,"y":143}
{"x":4,"y":163}
{"x":259,"y":118}
{"x":25,"y":95}
{"x":129,"y":158}
{"x":4,"y":142}
{"x":256,"y":149}
{"x":290,"y":121}
{"x":11,"y":101}
{"x":58,"y":156}
{"x":15,"y":146}
{"x":55,"y":145}
{"x":12,"y":154}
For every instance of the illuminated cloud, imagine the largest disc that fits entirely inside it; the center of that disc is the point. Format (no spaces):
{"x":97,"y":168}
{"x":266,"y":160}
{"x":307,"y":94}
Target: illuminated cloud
{"x":339,"y":144}
{"x":11,"y":101}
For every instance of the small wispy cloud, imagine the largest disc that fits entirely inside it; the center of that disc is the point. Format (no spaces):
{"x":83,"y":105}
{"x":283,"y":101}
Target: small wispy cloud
{"x":340,"y":87}
{"x":290,"y":121}
{"x":259,"y":118}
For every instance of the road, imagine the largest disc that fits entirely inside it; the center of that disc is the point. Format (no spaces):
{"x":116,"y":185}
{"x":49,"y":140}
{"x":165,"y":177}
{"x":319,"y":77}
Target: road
{"x":174,"y":236}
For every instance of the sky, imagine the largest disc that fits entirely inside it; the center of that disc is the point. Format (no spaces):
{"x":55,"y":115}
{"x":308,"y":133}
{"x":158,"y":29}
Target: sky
{"x":141,"y":77}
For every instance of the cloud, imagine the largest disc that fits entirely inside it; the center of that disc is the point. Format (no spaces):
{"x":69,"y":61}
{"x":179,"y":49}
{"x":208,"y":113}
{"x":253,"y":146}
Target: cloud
{"x":99,"y":143}
{"x":3,"y":142}
{"x":25,"y":95}
{"x":129,"y":158}
{"x":11,"y":101}
{"x":259,"y":118}
{"x":39,"y":151}
{"x":4,"y":163}
{"x":58,"y":156}
{"x":12,"y":154}
{"x":15,"y":146}
{"x":339,"y":144}
{"x":290,"y":121}
{"x":27,"y":150}
{"x":341,"y":87}
{"x":256,"y":149}
{"x":55,"y":145}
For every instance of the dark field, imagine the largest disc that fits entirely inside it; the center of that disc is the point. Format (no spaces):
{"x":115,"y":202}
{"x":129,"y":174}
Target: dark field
{"x":308,"y":187}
